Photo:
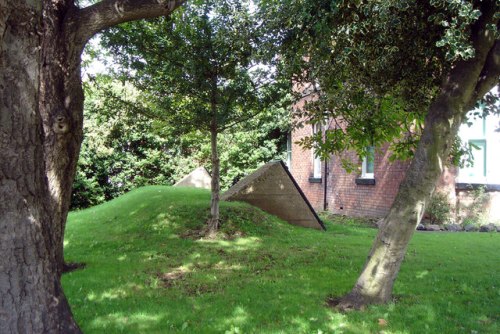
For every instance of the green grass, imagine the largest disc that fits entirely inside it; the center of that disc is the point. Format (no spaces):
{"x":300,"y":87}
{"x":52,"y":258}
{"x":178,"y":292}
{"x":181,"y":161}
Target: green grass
{"x":143,"y":274}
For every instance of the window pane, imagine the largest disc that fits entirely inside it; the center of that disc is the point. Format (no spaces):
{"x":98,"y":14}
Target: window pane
{"x":370,"y":157}
{"x":479,"y":154}
{"x":289,"y":150}
{"x":316,"y":160}
{"x":317,"y":168}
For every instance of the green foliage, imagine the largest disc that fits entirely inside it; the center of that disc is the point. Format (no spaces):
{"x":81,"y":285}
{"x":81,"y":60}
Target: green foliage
{"x":124,"y":149}
{"x":373,"y":66}
{"x":461,"y":154}
{"x":121,"y":149}
{"x":439,"y":209}
{"x":241,"y":152}
{"x":198,"y":68}
{"x":475,"y":210}
{"x":456,"y":17}
{"x":199,"y":71}
{"x":146,"y":274}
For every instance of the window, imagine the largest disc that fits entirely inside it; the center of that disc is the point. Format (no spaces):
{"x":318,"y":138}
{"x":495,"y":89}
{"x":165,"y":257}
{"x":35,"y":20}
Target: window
{"x":316,"y":159}
{"x":476,"y":172}
{"x":367,"y":167}
{"x":484,"y":136}
{"x":289,"y":150}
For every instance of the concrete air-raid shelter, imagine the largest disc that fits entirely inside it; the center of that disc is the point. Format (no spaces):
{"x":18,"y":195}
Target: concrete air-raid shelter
{"x":273,"y":189}
{"x":198,"y":178}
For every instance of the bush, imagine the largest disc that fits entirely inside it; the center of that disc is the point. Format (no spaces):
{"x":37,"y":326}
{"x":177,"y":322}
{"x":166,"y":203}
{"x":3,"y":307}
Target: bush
{"x":475,"y":211}
{"x":439,"y":209}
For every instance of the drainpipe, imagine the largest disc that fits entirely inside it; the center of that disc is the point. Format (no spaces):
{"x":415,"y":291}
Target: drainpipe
{"x":325,"y":187}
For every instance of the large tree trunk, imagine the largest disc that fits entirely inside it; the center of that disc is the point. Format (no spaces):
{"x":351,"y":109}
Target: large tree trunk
{"x":467,"y":81}
{"x":61,"y":105}
{"x":41,"y":111}
{"x":376,"y":281}
{"x":31,"y":297}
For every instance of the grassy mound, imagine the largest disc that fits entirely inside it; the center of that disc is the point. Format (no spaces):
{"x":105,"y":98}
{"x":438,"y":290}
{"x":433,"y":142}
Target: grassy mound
{"x":147,"y":271}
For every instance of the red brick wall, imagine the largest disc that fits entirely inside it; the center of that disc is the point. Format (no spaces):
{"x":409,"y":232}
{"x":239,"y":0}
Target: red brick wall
{"x":302,"y":169}
{"x":344,"y":196}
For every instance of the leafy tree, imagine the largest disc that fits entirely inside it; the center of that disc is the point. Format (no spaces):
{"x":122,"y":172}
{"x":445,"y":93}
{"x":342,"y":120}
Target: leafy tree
{"x":41,"y":112}
{"x":199,"y":71}
{"x":121,"y":150}
{"x":124,"y":149}
{"x":401,"y":71}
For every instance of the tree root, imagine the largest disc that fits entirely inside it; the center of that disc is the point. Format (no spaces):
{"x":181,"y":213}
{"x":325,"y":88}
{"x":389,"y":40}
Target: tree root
{"x":72,"y":266}
{"x":211,"y":229}
{"x":350,"y":302}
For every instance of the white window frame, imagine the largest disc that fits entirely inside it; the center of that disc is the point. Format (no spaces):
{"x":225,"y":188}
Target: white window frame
{"x":316,"y":160}
{"x":364,"y":166}
{"x":478,"y":129}
{"x":480,"y":158}
{"x":289,"y":151}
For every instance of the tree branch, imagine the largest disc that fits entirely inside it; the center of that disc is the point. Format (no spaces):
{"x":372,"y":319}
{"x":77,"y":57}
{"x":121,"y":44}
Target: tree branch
{"x":489,"y":75}
{"x":461,"y":85}
{"x":238,"y":121}
{"x":107,"y":13}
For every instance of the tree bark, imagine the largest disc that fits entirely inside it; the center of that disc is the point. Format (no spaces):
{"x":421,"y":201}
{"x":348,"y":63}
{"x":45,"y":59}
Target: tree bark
{"x":41,"y":117}
{"x":60,"y":105}
{"x":213,"y":222}
{"x":31,"y":297}
{"x":467,"y":81}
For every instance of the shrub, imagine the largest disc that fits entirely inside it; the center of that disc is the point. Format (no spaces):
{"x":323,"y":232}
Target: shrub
{"x":439,"y":209}
{"x":475,"y":211}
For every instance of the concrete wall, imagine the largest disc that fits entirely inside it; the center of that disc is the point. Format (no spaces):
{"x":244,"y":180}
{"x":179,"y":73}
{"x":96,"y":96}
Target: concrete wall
{"x":484,"y":206}
{"x":272,"y":189}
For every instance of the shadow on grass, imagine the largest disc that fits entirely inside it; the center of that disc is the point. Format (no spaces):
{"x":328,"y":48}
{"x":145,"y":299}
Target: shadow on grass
{"x":143,"y":277}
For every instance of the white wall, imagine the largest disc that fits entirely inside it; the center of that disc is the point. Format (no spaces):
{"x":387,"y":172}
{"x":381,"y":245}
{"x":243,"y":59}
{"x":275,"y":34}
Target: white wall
{"x":486,"y":134}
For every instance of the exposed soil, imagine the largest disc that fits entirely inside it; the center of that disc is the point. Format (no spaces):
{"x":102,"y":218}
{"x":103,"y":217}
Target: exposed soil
{"x":168,"y":279}
{"x":201,"y":289}
{"x":345,"y":304}
{"x":204,"y":233}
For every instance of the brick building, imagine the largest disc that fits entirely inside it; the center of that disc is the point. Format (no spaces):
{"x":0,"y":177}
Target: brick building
{"x":329,"y":187}
{"x":370,"y":191}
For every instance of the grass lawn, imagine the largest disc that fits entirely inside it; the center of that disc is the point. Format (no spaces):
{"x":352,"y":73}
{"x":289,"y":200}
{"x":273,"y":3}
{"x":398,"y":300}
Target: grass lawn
{"x":146,"y":273}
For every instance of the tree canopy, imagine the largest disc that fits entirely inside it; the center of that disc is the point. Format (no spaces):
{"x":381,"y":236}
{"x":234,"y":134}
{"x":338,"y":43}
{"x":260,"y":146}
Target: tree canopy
{"x":376,"y":65}
{"x":203,"y":54}
{"x":199,"y":70}
{"x":124,"y":148}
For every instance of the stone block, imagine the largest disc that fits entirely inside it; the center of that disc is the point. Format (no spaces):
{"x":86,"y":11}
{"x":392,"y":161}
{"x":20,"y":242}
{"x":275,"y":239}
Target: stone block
{"x":273,"y":189}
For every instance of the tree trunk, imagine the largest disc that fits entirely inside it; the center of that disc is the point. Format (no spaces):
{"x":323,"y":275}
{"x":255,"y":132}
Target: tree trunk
{"x":41,"y":114}
{"x":61,"y":105}
{"x":213,"y":222}
{"x":466,"y":83}
{"x":376,"y":281}
{"x":31,"y":297}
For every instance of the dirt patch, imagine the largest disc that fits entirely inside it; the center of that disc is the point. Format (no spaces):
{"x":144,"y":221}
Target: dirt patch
{"x":201,"y":289}
{"x":169,"y":279}
{"x":345,"y":305}
{"x":194,"y":234}
{"x":332,"y":301}
{"x":202,"y":233}
{"x":232,"y":235}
